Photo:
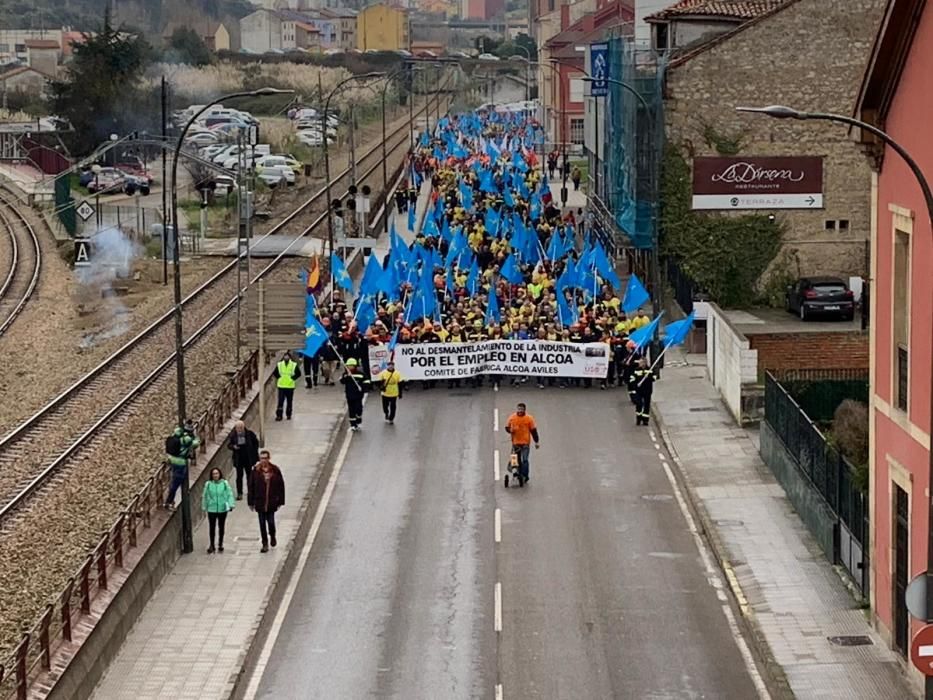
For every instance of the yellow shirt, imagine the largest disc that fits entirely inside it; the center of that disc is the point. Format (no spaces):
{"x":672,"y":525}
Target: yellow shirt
{"x":390,"y":382}
{"x":638,"y":322}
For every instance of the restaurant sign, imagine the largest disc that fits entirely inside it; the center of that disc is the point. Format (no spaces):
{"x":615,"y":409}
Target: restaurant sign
{"x":793,"y":182}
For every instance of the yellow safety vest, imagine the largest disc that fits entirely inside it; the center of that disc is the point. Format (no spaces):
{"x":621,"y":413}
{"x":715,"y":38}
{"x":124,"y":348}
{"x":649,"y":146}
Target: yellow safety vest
{"x":390,"y":381}
{"x":286,"y":374}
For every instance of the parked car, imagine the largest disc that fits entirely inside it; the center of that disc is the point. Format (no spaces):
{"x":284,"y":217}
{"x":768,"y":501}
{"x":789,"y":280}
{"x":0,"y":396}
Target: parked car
{"x":277,"y":162}
{"x":202,"y":138}
{"x":273,"y":176}
{"x":312,"y":138}
{"x":111,"y":180}
{"x":826,"y":296}
{"x":487,"y":57}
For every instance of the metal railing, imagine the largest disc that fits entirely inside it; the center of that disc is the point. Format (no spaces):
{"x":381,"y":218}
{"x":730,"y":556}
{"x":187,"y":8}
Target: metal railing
{"x":33,"y":655}
{"x":830,"y":474}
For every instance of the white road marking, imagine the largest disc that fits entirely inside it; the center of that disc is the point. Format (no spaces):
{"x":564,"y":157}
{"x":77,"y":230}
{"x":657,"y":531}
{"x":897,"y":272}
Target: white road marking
{"x":495,"y":419}
{"x":495,"y":463}
{"x":280,"y":614}
{"x":498,"y":613}
{"x":713,"y":575}
{"x":498,"y":691}
{"x":498,"y":525}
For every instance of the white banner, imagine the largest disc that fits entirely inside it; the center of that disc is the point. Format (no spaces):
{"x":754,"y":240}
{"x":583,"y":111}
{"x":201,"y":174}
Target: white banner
{"x":514,"y":357}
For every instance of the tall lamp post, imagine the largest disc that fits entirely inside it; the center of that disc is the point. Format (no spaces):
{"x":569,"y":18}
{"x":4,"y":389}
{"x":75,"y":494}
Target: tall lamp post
{"x":330,"y":218}
{"x":385,"y":175}
{"x":527,"y":70}
{"x":782,"y":112}
{"x":187,"y":544}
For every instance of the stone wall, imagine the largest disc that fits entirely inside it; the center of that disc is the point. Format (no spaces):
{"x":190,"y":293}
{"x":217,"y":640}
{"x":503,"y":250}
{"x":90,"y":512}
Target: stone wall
{"x":835,"y":350}
{"x":811,"y":56}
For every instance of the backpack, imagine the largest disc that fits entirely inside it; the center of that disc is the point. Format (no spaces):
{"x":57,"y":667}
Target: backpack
{"x":173,"y":446}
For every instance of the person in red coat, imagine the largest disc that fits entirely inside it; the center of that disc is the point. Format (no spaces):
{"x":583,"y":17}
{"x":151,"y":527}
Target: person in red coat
{"x":266,"y":494}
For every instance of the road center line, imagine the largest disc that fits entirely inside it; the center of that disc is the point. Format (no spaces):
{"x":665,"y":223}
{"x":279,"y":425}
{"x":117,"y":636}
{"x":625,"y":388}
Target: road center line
{"x":498,"y":612}
{"x":495,"y":419}
{"x":495,"y":464}
{"x":498,"y":526}
{"x":498,"y":691}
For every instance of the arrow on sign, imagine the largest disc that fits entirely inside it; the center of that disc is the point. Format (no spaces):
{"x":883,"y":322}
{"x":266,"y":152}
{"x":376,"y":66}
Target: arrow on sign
{"x":809,"y":200}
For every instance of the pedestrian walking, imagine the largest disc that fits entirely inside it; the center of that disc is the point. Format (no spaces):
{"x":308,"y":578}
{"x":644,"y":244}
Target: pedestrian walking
{"x":354,"y":386}
{"x":179,"y":447}
{"x":643,"y":378}
{"x":286,"y":372}
{"x":244,"y":448}
{"x":576,"y":176}
{"x":328,"y":356}
{"x":312,"y":366}
{"x":266,"y":494}
{"x":391,"y":380}
{"x":217,"y":501}
{"x":522,"y":428}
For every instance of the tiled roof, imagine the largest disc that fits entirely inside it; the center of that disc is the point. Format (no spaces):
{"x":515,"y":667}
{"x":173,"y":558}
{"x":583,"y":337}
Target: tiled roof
{"x":42,"y":44}
{"x":727,"y":9}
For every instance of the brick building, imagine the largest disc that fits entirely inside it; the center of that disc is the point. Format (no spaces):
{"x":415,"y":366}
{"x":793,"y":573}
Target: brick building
{"x":817,"y":71}
{"x":896,"y":98}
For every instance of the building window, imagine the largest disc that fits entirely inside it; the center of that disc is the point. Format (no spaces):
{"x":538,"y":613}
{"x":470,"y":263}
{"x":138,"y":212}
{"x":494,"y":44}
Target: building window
{"x":4,"y":48}
{"x":901,"y":317}
{"x":843,"y":224}
{"x":20,"y":48}
{"x":576,"y":89}
{"x":550,"y":5}
{"x":830,"y":224}
{"x":661,"y":37}
{"x":576,"y":132}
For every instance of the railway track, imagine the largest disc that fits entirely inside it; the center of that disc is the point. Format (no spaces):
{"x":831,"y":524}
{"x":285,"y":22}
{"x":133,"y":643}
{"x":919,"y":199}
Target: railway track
{"x":75,"y":423}
{"x":25,"y":261}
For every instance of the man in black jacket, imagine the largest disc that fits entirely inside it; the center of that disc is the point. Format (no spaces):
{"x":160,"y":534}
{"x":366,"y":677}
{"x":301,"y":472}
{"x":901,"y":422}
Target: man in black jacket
{"x":244,"y":446}
{"x":354,"y":386}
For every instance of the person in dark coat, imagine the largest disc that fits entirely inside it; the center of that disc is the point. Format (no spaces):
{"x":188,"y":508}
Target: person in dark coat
{"x":266,"y":494}
{"x":355,"y":385}
{"x":244,"y":446}
{"x":643,"y":379}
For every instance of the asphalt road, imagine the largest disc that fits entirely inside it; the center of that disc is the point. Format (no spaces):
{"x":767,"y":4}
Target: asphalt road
{"x":594,"y":589}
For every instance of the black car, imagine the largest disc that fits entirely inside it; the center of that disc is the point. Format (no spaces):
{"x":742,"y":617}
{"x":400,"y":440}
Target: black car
{"x":821,"y":296}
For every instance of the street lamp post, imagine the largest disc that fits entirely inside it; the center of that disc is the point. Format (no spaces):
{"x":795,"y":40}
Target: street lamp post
{"x":330,"y":218}
{"x":527,"y":70}
{"x":187,"y":545}
{"x":782,"y":112}
{"x":385,"y":175}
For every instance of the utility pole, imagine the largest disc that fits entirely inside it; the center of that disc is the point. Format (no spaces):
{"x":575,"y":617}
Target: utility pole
{"x":352,"y":144}
{"x":164,"y":183}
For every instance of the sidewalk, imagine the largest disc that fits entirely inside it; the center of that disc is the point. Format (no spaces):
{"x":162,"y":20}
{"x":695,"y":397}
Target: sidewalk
{"x":790,"y":596}
{"x":191,"y":640}
{"x":576,"y":199}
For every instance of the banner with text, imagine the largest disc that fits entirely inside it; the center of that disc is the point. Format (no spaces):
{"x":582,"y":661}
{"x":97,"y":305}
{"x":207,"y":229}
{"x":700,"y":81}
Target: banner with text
{"x":514,"y":357}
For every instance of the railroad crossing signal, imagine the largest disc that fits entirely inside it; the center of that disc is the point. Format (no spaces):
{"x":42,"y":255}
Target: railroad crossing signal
{"x":82,"y":252}
{"x":85,"y":210}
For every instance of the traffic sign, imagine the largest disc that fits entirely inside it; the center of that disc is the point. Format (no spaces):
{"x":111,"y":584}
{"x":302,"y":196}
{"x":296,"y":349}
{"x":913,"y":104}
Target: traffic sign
{"x":85,"y":210}
{"x":921,"y":650}
{"x":82,"y":252}
{"x":916,"y":597}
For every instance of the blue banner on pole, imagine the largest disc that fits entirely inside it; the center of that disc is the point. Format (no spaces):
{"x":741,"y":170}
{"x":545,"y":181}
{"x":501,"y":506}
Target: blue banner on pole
{"x":599,"y":69}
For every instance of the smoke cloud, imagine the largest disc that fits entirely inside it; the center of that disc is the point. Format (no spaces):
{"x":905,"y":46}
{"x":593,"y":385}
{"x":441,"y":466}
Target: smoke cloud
{"x":112,"y":258}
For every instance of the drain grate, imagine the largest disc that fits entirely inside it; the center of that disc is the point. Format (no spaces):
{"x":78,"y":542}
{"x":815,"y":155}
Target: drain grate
{"x":850,"y":640}
{"x":702,"y":409}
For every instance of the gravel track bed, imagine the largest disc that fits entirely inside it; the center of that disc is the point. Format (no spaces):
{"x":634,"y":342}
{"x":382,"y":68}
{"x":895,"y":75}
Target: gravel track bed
{"x":42,"y":351}
{"x":6,"y":254}
{"x":60,"y":526}
{"x":26,"y":456}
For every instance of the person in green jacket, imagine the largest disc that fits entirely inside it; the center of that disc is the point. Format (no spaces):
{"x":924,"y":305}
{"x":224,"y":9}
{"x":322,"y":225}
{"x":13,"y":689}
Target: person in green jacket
{"x":217,"y":500}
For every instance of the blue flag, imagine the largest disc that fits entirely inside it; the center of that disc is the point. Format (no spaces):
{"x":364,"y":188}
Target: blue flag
{"x":566,"y":314}
{"x":635,"y":295}
{"x":457,"y":245}
{"x":339,"y":270}
{"x":365,"y":315}
{"x":371,"y":276}
{"x":676,"y":332}
{"x":451,"y":287}
{"x":510,"y":270}
{"x":604,"y":267}
{"x":473,"y":278}
{"x":394,"y":340}
{"x":315,"y":336}
{"x":492,"y":308}
{"x":411,"y":217}
{"x":642,"y":336}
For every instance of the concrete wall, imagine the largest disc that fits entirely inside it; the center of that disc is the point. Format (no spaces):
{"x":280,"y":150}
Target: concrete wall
{"x":809,"y":504}
{"x":731,"y":363}
{"x":704,"y":87}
